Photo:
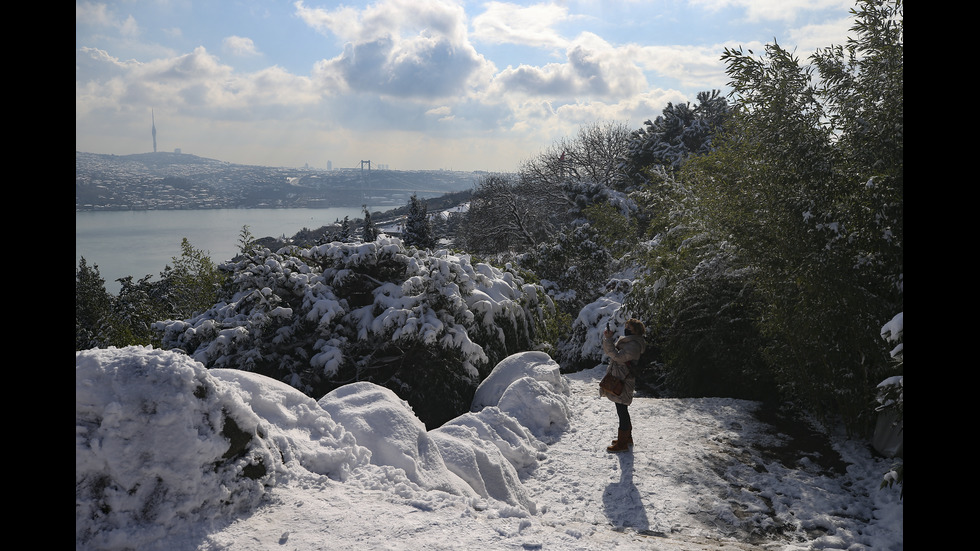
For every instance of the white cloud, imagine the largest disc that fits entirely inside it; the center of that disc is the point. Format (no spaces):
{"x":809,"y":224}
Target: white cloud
{"x":240,"y":45}
{"x":399,"y":48}
{"x":95,"y":14}
{"x":391,"y":19}
{"x":594,"y":69}
{"x":441,"y":113}
{"x":195,"y":82}
{"x":507,"y":23}
{"x":99,"y":15}
{"x":768,"y":10}
{"x":691,"y":66}
{"x":809,"y":38}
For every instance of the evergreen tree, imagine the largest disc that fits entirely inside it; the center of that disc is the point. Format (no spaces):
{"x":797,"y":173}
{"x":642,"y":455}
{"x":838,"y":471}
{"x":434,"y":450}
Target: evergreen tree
{"x":678,"y":134}
{"x":93,"y":307}
{"x":138,"y":305}
{"x":418,"y":228}
{"x":193,"y":283}
{"x":246,"y":241}
{"x":369,"y":232}
{"x":345,"y":230}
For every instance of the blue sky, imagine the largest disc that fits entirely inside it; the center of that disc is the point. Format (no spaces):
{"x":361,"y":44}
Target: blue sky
{"x":408,"y":84}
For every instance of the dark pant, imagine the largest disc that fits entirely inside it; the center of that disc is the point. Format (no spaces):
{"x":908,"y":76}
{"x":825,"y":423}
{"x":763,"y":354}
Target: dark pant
{"x":624,"y":417}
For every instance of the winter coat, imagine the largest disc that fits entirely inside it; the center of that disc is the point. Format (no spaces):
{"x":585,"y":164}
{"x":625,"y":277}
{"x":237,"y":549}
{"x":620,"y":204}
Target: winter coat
{"x":625,"y":349}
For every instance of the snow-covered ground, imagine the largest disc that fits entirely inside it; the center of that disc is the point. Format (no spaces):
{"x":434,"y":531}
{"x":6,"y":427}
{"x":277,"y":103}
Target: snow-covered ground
{"x":525,"y":469}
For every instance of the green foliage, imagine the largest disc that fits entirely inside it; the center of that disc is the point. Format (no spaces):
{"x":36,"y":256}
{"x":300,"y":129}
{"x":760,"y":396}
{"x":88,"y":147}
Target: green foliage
{"x":135,"y":308}
{"x":801,"y":202}
{"x":773,"y":256}
{"x":699,"y":303}
{"x":246,"y":241}
{"x":368,"y":232}
{"x":346,"y":232}
{"x":679,"y":133}
{"x":617,"y":230}
{"x":418,"y":228}
{"x":193,"y":284}
{"x":574,"y":266}
{"x":93,"y":308}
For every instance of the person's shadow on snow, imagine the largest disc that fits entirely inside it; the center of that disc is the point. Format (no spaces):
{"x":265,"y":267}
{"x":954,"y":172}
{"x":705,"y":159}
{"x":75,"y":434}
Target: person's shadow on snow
{"x":622,"y":500}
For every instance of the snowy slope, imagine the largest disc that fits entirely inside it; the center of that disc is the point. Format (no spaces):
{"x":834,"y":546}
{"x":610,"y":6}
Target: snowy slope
{"x":526,"y":470}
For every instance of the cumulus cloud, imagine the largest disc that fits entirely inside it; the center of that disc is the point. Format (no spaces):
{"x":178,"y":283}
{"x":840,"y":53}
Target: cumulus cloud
{"x":388,"y":18}
{"x":400,"y":48}
{"x":691,"y":66}
{"x":240,"y":45}
{"x":194,"y":81}
{"x":94,"y":64}
{"x":99,"y":15}
{"x":594,"y":68}
{"x":506,"y":23}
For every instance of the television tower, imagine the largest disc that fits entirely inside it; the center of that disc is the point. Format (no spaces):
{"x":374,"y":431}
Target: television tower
{"x":153,"y":125}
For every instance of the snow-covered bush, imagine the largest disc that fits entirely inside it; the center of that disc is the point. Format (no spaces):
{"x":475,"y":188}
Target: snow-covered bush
{"x":206,"y":447}
{"x":890,"y":391}
{"x":582,"y":349}
{"x":680,"y":133}
{"x":426,"y":324}
{"x":891,"y":400}
{"x":575,"y":265}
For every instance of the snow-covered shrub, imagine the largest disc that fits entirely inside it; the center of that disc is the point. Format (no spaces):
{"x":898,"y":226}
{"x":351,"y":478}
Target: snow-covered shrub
{"x":582,"y":348}
{"x":426,"y":324}
{"x":576,"y":263}
{"x":680,"y":133}
{"x":207,"y":446}
{"x":163,"y":444}
{"x":891,"y":402}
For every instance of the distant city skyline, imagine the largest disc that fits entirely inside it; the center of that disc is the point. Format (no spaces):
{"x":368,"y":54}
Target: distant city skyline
{"x":421,"y":84}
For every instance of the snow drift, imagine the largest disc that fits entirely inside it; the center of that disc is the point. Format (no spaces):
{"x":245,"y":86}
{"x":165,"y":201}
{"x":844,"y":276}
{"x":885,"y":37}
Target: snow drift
{"x":162,"y":442}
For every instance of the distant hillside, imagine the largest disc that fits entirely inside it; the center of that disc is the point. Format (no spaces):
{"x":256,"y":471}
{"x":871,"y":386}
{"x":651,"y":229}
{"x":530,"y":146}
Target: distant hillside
{"x":182,"y":181}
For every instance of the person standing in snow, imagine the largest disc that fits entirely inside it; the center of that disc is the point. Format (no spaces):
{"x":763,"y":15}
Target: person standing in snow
{"x":623,"y":352}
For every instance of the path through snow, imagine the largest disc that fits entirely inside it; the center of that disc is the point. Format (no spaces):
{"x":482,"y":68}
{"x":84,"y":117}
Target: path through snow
{"x":681,"y":481}
{"x":700,"y":477}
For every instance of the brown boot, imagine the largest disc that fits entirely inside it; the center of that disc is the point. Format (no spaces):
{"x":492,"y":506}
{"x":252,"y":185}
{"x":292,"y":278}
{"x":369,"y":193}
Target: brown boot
{"x":629,"y":438}
{"x":622,"y":443}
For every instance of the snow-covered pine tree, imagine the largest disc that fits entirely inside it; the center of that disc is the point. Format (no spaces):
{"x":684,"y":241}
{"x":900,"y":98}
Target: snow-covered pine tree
{"x":418,"y":228}
{"x":345,"y":230}
{"x":369,"y":232}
